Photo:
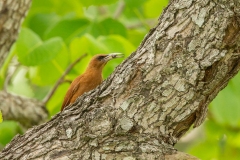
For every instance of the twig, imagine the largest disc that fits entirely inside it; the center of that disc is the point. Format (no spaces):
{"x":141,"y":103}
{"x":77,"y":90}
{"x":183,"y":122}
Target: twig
{"x":61,"y":79}
{"x":12,"y":69}
{"x":119,"y":10}
{"x":66,"y":81}
{"x":8,"y":79}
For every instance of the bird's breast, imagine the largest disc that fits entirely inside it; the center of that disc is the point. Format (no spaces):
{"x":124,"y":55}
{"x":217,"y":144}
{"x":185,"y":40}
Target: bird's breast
{"x":92,"y":81}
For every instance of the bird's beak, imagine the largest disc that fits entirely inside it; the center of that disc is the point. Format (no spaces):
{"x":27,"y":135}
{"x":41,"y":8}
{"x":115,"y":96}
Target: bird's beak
{"x":113,"y":56}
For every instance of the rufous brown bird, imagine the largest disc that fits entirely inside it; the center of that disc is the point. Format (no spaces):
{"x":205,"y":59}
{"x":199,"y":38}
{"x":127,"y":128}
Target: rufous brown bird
{"x":90,"y":79}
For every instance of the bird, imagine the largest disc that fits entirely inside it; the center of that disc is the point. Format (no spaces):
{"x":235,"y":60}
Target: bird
{"x":90,"y":79}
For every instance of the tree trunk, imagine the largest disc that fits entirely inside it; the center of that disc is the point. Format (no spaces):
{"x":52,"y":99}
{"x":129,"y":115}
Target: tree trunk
{"x":153,"y":97}
{"x":27,"y":111}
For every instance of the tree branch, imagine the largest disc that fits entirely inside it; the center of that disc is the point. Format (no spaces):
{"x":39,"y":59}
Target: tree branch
{"x":119,"y":9}
{"x":27,"y":112}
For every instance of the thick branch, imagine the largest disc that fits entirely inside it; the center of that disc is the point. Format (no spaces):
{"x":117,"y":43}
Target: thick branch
{"x":27,"y":112}
{"x":153,"y":97}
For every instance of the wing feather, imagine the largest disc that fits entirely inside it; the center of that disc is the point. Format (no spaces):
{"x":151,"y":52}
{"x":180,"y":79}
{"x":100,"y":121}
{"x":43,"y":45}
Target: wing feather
{"x":70,"y":93}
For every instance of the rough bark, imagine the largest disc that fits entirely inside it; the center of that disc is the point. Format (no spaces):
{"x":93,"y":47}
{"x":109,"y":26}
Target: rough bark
{"x":153,"y":97}
{"x":24,"y":110}
{"x":12,"y":14}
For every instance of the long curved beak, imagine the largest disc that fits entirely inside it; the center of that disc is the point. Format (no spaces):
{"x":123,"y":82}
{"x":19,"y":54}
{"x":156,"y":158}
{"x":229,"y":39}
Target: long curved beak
{"x":113,"y":56}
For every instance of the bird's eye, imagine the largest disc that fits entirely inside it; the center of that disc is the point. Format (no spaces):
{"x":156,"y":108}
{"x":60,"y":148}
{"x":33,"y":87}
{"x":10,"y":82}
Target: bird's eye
{"x":100,"y":57}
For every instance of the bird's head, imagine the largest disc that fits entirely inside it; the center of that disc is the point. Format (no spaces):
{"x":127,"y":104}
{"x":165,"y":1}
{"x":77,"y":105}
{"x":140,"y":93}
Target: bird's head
{"x":100,"y":60}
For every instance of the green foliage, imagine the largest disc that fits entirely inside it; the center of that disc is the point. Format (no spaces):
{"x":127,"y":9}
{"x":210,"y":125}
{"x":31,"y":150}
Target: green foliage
{"x":37,"y":52}
{"x":67,"y":29}
{"x":55,"y":33}
{"x":96,"y":2}
{"x":152,"y":6}
{"x":225,"y":108}
{"x":7,"y":131}
{"x":62,"y":8}
{"x":108,"y":26}
{"x":219,"y":143}
{"x":42,"y":22}
{"x":1,"y":119}
{"x":20,"y":83}
{"x":222,"y":138}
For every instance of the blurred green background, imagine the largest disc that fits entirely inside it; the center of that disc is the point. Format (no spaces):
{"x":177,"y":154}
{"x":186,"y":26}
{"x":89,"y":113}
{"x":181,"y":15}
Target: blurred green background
{"x":55,"y":33}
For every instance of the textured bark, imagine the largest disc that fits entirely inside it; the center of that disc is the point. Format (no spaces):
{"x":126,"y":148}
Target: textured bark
{"x":24,"y":110}
{"x":153,"y":97}
{"x":12,"y":14}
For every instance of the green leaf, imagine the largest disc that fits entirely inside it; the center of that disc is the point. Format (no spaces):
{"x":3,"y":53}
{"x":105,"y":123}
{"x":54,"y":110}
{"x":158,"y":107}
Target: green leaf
{"x":153,"y":8}
{"x":202,"y":150}
{"x":41,"y":6}
{"x":40,"y":23}
{"x":68,"y":29}
{"x":32,"y":51}
{"x":4,"y":69}
{"x":225,"y":107}
{"x":116,"y":43}
{"x":104,"y":44}
{"x":134,"y":3}
{"x":42,"y":53}
{"x":27,"y":41}
{"x":20,"y":83}
{"x":46,"y":74}
{"x":136,"y":36}
{"x":107,"y":27}
{"x":97,"y":2}
{"x":1,"y":119}
{"x":62,"y":7}
{"x":134,"y":10}
{"x":49,"y":72}
{"x":55,"y":103}
{"x":85,"y":44}
{"x":8,"y":130}
{"x":224,"y":142}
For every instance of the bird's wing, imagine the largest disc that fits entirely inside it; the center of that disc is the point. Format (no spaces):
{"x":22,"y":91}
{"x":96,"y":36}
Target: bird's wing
{"x":71,"y":91}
